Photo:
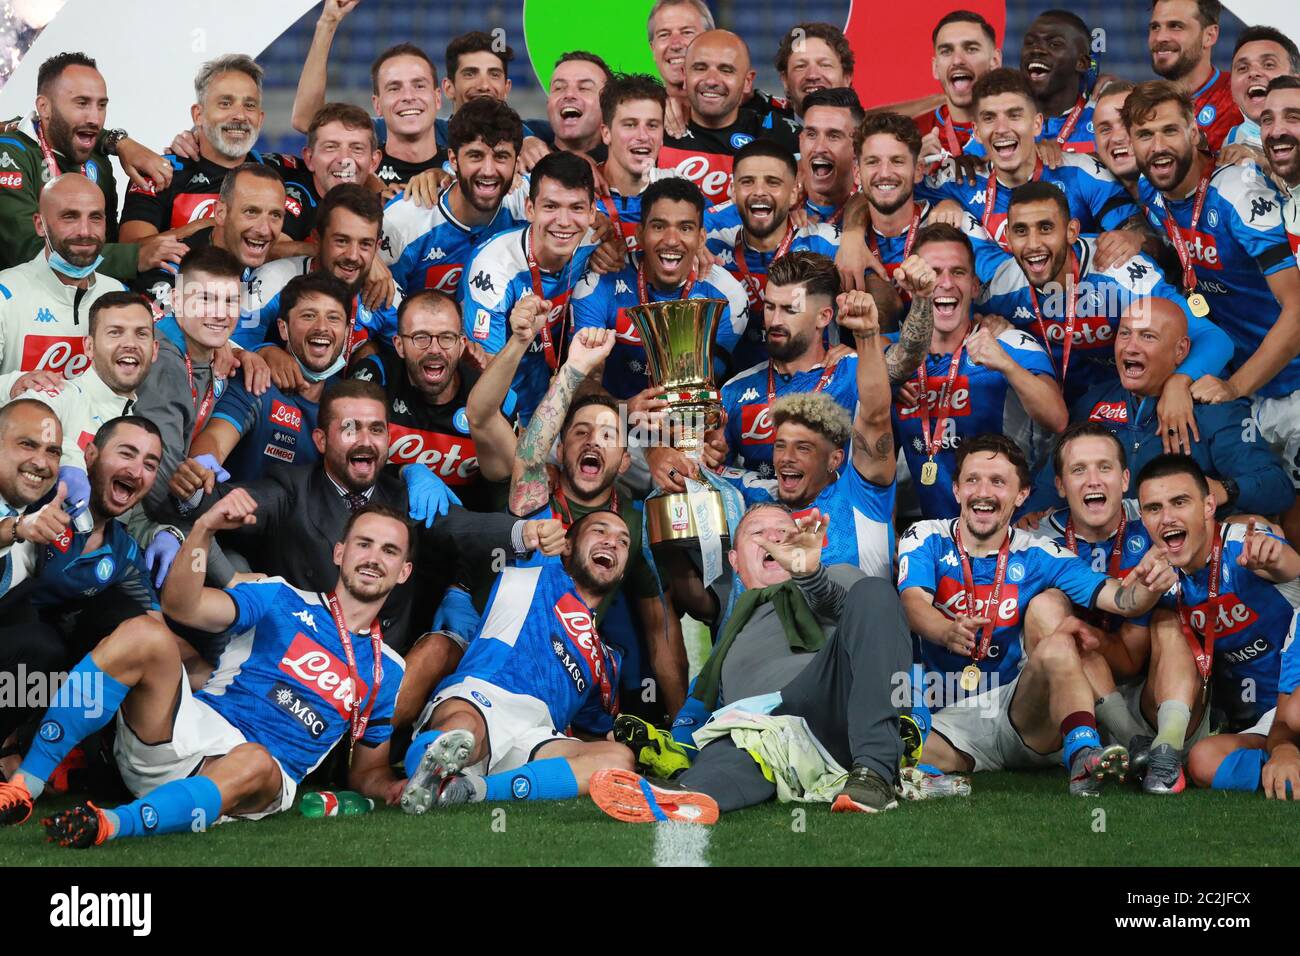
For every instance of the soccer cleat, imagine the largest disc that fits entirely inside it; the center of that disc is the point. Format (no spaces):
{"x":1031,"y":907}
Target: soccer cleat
{"x":81,"y":827}
{"x":631,"y":798}
{"x":442,"y":758}
{"x":15,"y":803}
{"x":865,"y":791}
{"x":1164,"y":771}
{"x":1139,"y":748}
{"x":1092,"y":767}
{"x":656,"y":750}
{"x":455,"y":789}
{"x":913,"y":740}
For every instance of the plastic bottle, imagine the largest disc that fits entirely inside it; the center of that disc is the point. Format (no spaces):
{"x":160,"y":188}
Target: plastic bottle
{"x":329,"y":803}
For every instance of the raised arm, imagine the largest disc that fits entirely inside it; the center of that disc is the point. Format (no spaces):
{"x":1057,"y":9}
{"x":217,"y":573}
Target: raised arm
{"x":905,"y":356}
{"x":184,"y":598}
{"x":529,"y":488}
{"x":1039,"y":394}
{"x":873,"y":432}
{"x":310,"y":95}
{"x":494,"y":437}
{"x":1280,"y":345}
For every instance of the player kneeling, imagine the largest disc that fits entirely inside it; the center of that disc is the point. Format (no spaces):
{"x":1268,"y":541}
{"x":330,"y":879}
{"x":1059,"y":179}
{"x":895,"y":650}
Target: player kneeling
{"x":538,"y":666}
{"x":302,"y":672}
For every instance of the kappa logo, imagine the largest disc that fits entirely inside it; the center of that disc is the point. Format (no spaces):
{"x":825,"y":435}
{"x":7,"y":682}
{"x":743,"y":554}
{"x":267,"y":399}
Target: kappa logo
{"x":620,"y":288}
{"x":483,"y":282}
{"x":400,"y":407}
{"x":434,"y":254}
{"x":1022,"y":314}
{"x":44,"y":315}
{"x":305,"y":616}
{"x":750,"y":395}
{"x":1136,"y":270}
{"x":950,"y":559}
{"x":7,"y":162}
{"x":1261,"y":206}
{"x":388,"y":174}
{"x":200,"y":178}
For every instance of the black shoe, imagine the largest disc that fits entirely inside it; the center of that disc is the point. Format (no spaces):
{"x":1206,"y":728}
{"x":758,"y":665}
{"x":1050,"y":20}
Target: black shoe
{"x":1164,"y":772}
{"x":81,"y":827}
{"x":1139,"y":749}
{"x":865,"y":791}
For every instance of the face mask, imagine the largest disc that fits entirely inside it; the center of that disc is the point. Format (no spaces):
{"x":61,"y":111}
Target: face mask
{"x":315,"y":377}
{"x":64,"y":267}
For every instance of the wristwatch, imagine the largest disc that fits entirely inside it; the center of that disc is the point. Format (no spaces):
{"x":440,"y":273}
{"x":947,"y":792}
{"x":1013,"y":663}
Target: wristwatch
{"x":1230,"y":486}
{"x":109,"y":139}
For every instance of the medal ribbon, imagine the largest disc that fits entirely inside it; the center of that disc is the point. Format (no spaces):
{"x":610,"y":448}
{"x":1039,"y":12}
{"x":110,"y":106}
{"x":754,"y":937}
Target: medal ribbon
{"x":968,"y":580}
{"x":359,"y":718}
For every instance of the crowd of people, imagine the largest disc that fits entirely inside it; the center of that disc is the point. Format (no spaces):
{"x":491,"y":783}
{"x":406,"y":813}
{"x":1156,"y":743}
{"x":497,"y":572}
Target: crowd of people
{"x":352,"y":447}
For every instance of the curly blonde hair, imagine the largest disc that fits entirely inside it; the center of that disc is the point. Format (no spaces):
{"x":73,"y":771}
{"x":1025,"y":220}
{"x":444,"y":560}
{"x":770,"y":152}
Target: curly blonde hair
{"x":815,"y":410}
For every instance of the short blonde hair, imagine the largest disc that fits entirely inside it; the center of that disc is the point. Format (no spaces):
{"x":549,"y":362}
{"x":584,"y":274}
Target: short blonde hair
{"x":817,"y":411}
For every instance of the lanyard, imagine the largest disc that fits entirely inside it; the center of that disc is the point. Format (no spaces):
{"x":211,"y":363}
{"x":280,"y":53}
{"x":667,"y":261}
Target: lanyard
{"x":1176,"y":234}
{"x":1071,"y":315}
{"x":941,"y":406}
{"x":51,"y":164}
{"x":822,"y":382}
{"x":751,"y":285}
{"x":991,"y":193}
{"x":643,"y":290}
{"x":1071,"y":121}
{"x":535,"y":273}
{"x":1116,"y":550}
{"x":968,"y":580}
{"x":359,"y":718}
{"x":910,"y":241}
{"x":566,"y":515}
{"x":1204,"y":655}
{"x":204,"y":408}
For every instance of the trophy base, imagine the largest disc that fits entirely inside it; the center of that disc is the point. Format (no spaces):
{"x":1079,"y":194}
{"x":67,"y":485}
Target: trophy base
{"x":670,"y":521}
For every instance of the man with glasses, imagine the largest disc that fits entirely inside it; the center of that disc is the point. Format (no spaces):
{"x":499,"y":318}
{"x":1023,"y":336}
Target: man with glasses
{"x":427,"y":386}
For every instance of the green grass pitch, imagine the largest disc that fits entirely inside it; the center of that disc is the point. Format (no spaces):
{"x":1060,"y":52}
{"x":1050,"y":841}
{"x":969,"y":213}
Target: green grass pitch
{"x":1010,"y":819}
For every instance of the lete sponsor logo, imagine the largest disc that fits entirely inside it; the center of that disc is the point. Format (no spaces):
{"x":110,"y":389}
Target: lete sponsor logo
{"x":316,"y":668}
{"x":578,"y":625}
{"x":58,"y":353}
{"x":950,"y":598}
{"x":444,"y":278}
{"x":286,"y":415}
{"x":191,"y":207}
{"x":454,"y":458}
{"x":1109,"y":412}
{"x":625,"y":331}
{"x":756,"y":426}
{"x":13,"y":180}
{"x":1232,"y":616}
{"x":710,"y":171}
{"x":958,"y":401}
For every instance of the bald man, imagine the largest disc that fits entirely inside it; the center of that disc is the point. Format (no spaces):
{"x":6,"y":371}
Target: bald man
{"x":718,"y":78}
{"x":1150,"y":341}
{"x":45,"y":302}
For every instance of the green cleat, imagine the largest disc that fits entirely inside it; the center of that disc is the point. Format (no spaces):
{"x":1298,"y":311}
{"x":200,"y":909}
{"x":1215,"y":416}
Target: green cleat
{"x":656,"y":751}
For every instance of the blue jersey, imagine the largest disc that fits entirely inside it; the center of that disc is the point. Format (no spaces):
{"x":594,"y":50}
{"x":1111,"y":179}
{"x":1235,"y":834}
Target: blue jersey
{"x":860,"y":511}
{"x":928,"y":559}
{"x":1238,"y":242}
{"x":258,"y":326}
{"x":601,"y":302}
{"x":625,"y":211}
{"x":498,"y":277}
{"x":1082,"y":138}
{"x":1102,"y":296}
{"x":428,"y":248}
{"x":283,"y":680}
{"x":982,"y":402}
{"x":1097,"y":199}
{"x":68,"y":573}
{"x":538,"y":638}
{"x":723,"y":230}
{"x":1255,"y":618}
{"x":272,"y":426}
{"x":1101,"y":555}
{"x":747,"y":398}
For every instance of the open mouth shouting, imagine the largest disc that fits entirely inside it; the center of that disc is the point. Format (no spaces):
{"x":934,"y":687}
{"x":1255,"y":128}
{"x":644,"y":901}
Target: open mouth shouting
{"x":85,"y":137}
{"x":984,"y":509}
{"x":1282,"y":151}
{"x":1004,"y":145}
{"x":485,"y":191}
{"x":1121,"y":155}
{"x":591,"y":464}
{"x":1037,"y":264}
{"x":603,"y":557}
{"x":1131,"y":370}
{"x":1037,"y":70}
{"x":121,"y":493}
{"x":570,"y":112}
{"x":761,"y":213}
{"x":1094,"y":504}
{"x":128,"y":362}
{"x":318,"y":349}
{"x":434,"y":369}
{"x":1256,"y":92}
{"x":672,"y":262}
{"x":642,"y":155}
{"x":822,"y":169}
{"x":254,"y":247}
{"x":946,"y":305}
{"x":1162,"y":168}
{"x":363,"y":464}
{"x":789,"y":482}
{"x":1174,"y":539}
{"x":961,"y":81}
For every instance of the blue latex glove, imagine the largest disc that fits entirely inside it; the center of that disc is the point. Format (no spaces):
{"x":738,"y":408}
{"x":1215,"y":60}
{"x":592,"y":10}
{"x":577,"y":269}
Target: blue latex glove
{"x":78,"y":486}
{"x":211,"y":464}
{"x":427,"y":495}
{"x":160,"y":554}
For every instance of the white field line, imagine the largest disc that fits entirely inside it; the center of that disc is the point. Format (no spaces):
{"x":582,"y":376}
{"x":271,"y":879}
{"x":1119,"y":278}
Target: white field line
{"x":681,"y":844}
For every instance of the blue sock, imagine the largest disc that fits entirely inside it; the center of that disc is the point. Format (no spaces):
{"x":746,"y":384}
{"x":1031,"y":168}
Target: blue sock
{"x":177,"y":807}
{"x":86,"y":701}
{"x":1077,"y":739}
{"x":1240,"y":770}
{"x":419,"y":744}
{"x":551,"y":779}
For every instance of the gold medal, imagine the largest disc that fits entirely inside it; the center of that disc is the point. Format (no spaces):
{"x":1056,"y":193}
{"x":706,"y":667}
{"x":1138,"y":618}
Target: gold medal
{"x":929,"y":473}
{"x":1196,"y":302}
{"x":970,"y":678}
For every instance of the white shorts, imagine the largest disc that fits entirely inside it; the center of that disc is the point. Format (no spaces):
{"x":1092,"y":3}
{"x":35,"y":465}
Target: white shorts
{"x":198,"y":732}
{"x":517,"y":724}
{"x":1263,"y":725}
{"x":981,"y":728}
{"x":1279,"y":425}
{"x":1132,"y":694}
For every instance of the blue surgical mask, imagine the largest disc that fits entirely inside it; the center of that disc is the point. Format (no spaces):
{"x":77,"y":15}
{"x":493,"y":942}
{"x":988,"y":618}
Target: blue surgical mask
{"x":64,"y":267}
{"x":315,"y":377}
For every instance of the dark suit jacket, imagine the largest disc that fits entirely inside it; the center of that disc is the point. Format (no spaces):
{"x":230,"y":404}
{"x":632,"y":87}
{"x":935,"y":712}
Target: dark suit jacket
{"x":301,"y":515}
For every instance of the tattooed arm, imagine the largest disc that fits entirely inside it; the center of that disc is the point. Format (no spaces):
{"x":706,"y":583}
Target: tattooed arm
{"x":873,"y":431}
{"x":529,"y":489}
{"x":1141,"y":587}
{"x":906,"y":355}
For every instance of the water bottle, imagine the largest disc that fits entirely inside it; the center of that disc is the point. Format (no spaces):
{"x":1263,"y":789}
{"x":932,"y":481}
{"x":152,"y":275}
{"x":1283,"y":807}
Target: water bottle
{"x":329,"y":803}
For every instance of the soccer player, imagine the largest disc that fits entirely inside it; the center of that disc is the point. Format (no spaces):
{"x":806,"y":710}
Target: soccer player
{"x":1150,"y":344}
{"x":965,"y":48}
{"x":1054,"y":286}
{"x":1113,"y":146}
{"x":305,"y":671}
{"x":972,"y":382}
{"x":1181,"y":38}
{"x":1234,"y":605}
{"x":1056,"y":58}
{"x":827,"y":158}
{"x":968,"y":586}
{"x":1007,"y":123}
{"x":428,"y":385}
{"x":1279,"y":124}
{"x":670,"y":237}
{"x":799,"y":306}
{"x":1226,"y":226}
{"x":1262,"y":54}
{"x":752,"y":230}
{"x":632,"y":127}
{"x":547,"y":258}
{"x":429,"y":248}
{"x":718,"y":79}
{"x":247,"y":431}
